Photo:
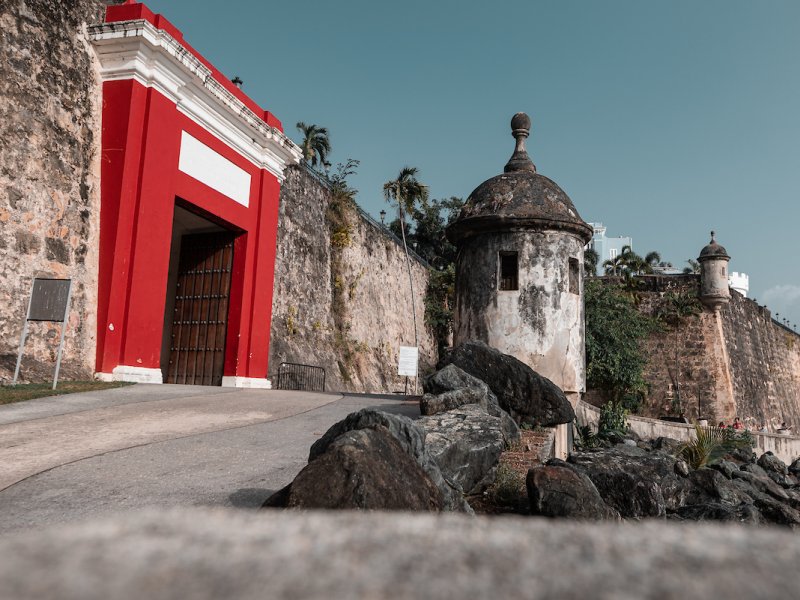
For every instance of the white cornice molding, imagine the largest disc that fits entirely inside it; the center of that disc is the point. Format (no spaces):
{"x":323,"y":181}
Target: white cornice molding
{"x":138,"y":50}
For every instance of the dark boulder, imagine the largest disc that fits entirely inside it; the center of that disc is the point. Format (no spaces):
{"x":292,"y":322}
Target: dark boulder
{"x":466,"y":443}
{"x":742,"y":455}
{"x":452,"y":387}
{"x":794,"y":468}
{"x":364,"y":469}
{"x":761,"y":483}
{"x":710,"y":485}
{"x":777,"y":512}
{"x":675,"y":490}
{"x":562,"y":491}
{"x":715,"y":511}
{"x":725,"y":467}
{"x":776,"y":470}
{"x":524,"y":394}
{"x":769,"y":462}
{"x":411,"y":438}
{"x":627,"y":478}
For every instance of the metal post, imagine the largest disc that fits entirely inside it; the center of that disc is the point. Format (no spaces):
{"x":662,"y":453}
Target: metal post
{"x":63,"y":331}
{"x":23,"y":336}
{"x":410,"y":283}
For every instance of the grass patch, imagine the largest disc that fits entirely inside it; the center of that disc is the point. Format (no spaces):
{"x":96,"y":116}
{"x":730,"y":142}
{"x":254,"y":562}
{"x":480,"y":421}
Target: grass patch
{"x":30,"y":391}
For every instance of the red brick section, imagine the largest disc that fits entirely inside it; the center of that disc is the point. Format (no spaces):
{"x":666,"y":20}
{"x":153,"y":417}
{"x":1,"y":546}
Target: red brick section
{"x":534,"y":448}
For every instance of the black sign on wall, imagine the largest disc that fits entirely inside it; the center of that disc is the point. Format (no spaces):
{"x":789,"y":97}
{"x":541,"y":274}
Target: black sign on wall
{"x":49,"y":299}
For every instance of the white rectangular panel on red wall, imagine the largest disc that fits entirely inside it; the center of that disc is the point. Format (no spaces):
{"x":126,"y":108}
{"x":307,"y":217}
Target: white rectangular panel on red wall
{"x":214,"y":170}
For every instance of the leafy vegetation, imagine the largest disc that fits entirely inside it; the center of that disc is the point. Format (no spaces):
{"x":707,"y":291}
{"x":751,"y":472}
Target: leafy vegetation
{"x":712,"y":443}
{"x":615,"y":331}
{"x":613,"y":420}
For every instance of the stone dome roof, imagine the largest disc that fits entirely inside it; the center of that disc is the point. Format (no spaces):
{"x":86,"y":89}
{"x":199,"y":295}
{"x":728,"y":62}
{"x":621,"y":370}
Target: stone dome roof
{"x":713,"y":250}
{"x":519,"y":198}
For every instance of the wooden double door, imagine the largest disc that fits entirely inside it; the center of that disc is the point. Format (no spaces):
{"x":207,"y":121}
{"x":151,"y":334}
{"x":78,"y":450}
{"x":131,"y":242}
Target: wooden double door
{"x":200,"y":317}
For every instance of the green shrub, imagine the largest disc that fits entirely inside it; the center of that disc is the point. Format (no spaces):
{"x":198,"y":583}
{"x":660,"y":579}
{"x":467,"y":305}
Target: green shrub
{"x":613,"y":419}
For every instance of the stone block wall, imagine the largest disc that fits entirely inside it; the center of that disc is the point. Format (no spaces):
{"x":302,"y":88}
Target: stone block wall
{"x":738,"y":362}
{"x":343,"y":305}
{"x":50,"y":98}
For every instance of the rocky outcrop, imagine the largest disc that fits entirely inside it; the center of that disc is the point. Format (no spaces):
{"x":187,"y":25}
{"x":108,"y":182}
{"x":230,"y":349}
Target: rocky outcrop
{"x":410,"y":438}
{"x":559,"y":490}
{"x":644,"y":481}
{"x":467,"y":443}
{"x":364,"y":469}
{"x":524,"y":394}
{"x":452,"y":387}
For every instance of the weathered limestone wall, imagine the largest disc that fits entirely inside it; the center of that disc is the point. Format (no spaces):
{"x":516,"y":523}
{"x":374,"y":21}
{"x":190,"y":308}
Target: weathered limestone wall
{"x":738,"y":362}
{"x":50,"y":98}
{"x":541,"y":323}
{"x":765,"y":363}
{"x":345,"y":306}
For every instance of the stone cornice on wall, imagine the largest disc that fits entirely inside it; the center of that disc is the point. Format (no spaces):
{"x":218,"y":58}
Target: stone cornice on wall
{"x":138,"y":50}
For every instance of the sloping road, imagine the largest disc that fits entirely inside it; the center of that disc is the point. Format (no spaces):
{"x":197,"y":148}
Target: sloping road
{"x":73,"y":456}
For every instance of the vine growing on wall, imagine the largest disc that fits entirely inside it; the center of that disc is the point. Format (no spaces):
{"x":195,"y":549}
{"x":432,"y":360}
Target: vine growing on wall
{"x":341,"y":216}
{"x":615,"y":334}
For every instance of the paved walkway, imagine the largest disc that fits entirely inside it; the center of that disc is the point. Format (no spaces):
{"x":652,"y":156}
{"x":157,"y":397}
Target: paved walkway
{"x":68,"y":457}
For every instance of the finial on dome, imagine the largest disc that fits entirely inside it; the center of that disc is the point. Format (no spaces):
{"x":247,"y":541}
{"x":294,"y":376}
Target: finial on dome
{"x":520,"y":129}
{"x":712,"y":237}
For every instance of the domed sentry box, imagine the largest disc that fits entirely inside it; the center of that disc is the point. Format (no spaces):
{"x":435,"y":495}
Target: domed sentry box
{"x":519,"y":273}
{"x":714,"y":288}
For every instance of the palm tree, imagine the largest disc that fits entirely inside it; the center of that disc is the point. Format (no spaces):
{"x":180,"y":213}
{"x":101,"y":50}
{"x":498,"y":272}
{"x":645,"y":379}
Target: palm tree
{"x":653,"y":259}
{"x":407,"y":191}
{"x":614,"y":266}
{"x":693,"y":268}
{"x":315,"y":145}
{"x":590,"y":260}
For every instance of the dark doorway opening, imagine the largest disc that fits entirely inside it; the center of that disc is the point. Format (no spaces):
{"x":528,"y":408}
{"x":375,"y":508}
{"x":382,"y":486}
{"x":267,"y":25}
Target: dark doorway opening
{"x":196,"y":318}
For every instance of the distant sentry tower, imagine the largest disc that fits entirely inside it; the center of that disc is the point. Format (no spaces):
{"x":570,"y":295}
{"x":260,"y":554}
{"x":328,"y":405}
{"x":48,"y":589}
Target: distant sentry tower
{"x":714,"y":287}
{"x":519,"y":272}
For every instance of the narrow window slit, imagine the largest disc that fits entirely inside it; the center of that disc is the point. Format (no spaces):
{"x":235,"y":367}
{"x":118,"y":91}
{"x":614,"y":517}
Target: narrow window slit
{"x":509,"y":269}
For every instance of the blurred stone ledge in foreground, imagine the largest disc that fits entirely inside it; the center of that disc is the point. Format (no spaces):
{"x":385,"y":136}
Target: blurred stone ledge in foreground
{"x":201,"y":553}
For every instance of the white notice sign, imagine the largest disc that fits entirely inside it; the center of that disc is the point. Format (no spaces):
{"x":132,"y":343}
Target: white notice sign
{"x":407,"y":364}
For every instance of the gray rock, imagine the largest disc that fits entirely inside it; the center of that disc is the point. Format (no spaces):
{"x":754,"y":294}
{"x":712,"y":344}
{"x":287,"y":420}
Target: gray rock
{"x":743,"y":513}
{"x":725,"y":467}
{"x":794,"y":468}
{"x":627,"y":478}
{"x":452,"y":387}
{"x":675,"y":490}
{"x":523,"y":393}
{"x":411,"y":438}
{"x":668,"y":445}
{"x":682,"y":468}
{"x":562,"y":491}
{"x":712,"y":486}
{"x":761,"y":483}
{"x":204,"y":554}
{"x":771,"y":463}
{"x":776,"y":470}
{"x":466,"y":443}
{"x":364,"y":469}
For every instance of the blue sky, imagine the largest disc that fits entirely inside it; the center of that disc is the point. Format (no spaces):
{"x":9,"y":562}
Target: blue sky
{"x":662,"y":119}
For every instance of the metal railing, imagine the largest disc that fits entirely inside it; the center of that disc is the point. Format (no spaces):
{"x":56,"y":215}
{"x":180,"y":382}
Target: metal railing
{"x":295,"y":376}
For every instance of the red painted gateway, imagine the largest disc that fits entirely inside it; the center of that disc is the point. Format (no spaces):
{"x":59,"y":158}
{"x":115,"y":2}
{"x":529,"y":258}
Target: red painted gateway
{"x":191,"y":172}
